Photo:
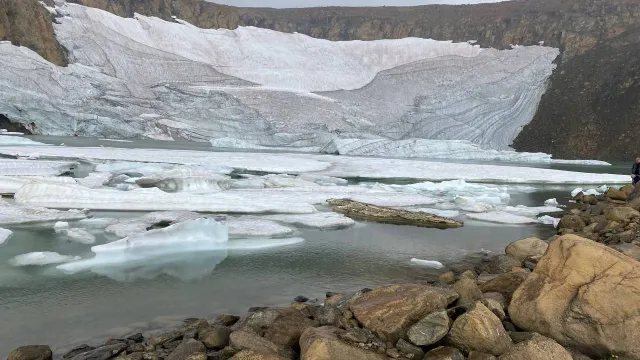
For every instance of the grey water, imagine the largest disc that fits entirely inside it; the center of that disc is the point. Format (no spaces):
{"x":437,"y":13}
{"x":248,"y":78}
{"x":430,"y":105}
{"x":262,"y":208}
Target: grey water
{"x":41,"y":305}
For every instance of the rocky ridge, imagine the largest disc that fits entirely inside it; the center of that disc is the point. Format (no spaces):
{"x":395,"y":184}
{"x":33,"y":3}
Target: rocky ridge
{"x":549,"y":303}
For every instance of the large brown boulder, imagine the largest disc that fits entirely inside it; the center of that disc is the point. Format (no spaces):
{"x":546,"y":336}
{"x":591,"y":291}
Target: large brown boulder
{"x":505,"y":284}
{"x":615,"y":194}
{"x":538,"y":348}
{"x":571,"y":222}
{"x":583,"y":295}
{"x":323,"y":344}
{"x":31,"y":352}
{"x":430,"y":329}
{"x":622,"y":214}
{"x":388,"y":311}
{"x":248,"y":340}
{"x":479,"y":329}
{"x":254,"y":355}
{"x":523,"y":248}
{"x":288,"y":329}
{"x":467,"y":290}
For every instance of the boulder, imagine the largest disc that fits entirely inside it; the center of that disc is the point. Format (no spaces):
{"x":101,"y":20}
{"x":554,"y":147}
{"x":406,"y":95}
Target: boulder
{"x":410,"y":349}
{"x":571,"y":222}
{"x":263,"y":319}
{"x":186,"y":349}
{"x":247,"y":340}
{"x":77,"y":350}
{"x":468,"y":274}
{"x":477,"y":355}
{"x":328,"y":315}
{"x":431,"y":329}
{"x":388,"y":311}
{"x":138,"y":356}
{"x":495,"y":307}
{"x":627,"y":190}
{"x":538,"y":348}
{"x":523,"y":248}
{"x":287,"y":330}
{"x":226,"y":320}
{"x":323,"y":344}
{"x":254,"y":355}
{"x":102,"y":352}
{"x":31,"y":352}
{"x":505,"y":284}
{"x":448,"y":277}
{"x":498,"y":264}
{"x":216,"y":337}
{"x":583,"y":295}
{"x":622,"y":214}
{"x":615,"y":194}
{"x":467,"y":290}
{"x":631,"y":250}
{"x":444,"y":353}
{"x":480,"y":330}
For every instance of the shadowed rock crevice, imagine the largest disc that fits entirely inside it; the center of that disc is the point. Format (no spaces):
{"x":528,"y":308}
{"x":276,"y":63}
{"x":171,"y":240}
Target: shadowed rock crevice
{"x":7,"y":124}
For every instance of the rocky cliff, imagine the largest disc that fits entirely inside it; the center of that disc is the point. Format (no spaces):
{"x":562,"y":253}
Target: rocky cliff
{"x":589,"y":106}
{"x":27,"y":23}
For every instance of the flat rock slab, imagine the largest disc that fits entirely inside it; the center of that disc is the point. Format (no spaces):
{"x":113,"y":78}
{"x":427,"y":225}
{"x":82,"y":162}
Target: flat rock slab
{"x":363,"y":211}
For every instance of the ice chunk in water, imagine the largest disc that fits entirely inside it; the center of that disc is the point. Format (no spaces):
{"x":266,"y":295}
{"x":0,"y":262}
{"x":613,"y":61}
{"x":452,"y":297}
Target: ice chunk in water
{"x":41,"y":258}
{"x":551,"y":202}
{"x":97,"y":223}
{"x":16,"y":214}
{"x":502,"y":217}
{"x":256,"y":228}
{"x":530,"y":211}
{"x":321,"y":220}
{"x":20,"y":167}
{"x":427,"y":263}
{"x":60,"y":225}
{"x":5,"y":234}
{"x":78,"y":235}
{"x":548,"y":220}
{"x":10,"y":184}
{"x":576,"y":191}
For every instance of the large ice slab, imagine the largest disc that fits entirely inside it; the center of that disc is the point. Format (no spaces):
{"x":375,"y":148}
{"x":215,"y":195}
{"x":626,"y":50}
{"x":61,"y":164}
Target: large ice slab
{"x":19,"y":215}
{"x":10,"y":184}
{"x":502,"y":218}
{"x":20,"y":167}
{"x":325,"y":165}
{"x":244,"y":228}
{"x":145,"y":77}
{"x":58,"y":196}
{"x":17,"y":140}
{"x":320,"y":220}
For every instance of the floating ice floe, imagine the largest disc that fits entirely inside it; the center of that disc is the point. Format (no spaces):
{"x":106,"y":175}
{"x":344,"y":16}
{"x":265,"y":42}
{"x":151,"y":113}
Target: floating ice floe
{"x":77,"y":235}
{"x":163,"y":250}
{"x":320,"y":220}
{"x":427,"y":263}
{"x":57,"y":196}
{"x":501,"y":217}
{"x":95,"y":180}
{"x":7,"y":140}
{"x":551,"y":202}
{"x":41,"y":259}
{"x":270,"y":181}
{"x":18,"y":167}
{"x":5,"y":234}
{"x":97,"y":223}
{"x":548,"y":220}
{"x":530,"y":211}
{"x":243,"y":228}
{"x":188,"y":180}
{"x":580,"y":162}
{"x":323,"y":180}
{"x":131,"y":226}
{"x":9,"y":184}
{"x":11,"y":214}
{"x":335,"y":166}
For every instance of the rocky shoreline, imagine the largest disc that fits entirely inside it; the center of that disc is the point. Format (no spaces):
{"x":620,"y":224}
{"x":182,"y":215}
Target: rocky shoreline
{"x":574,"y":296}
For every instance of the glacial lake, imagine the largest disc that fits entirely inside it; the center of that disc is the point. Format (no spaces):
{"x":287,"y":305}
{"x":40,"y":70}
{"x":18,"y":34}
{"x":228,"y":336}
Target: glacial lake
{"x":41,"y":305}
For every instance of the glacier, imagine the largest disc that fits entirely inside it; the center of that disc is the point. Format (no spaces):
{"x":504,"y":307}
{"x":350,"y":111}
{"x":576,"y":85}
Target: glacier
{"x":144,"y":77}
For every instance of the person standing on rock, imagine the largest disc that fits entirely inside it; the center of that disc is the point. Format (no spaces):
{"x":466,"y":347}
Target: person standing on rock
{"x":635,"y":172}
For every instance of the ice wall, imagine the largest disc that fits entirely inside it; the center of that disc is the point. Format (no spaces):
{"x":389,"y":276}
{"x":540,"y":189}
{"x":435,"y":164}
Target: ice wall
{"x":145,"y":77}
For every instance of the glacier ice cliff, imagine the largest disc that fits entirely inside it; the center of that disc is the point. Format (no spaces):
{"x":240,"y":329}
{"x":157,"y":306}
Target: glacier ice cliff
{"x":146,"y":77}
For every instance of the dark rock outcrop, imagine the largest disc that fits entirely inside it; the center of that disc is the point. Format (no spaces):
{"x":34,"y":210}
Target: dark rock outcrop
{"x":27,"y":23}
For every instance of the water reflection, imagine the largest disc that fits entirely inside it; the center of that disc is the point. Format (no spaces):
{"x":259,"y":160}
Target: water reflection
{"x":184,"y":266}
